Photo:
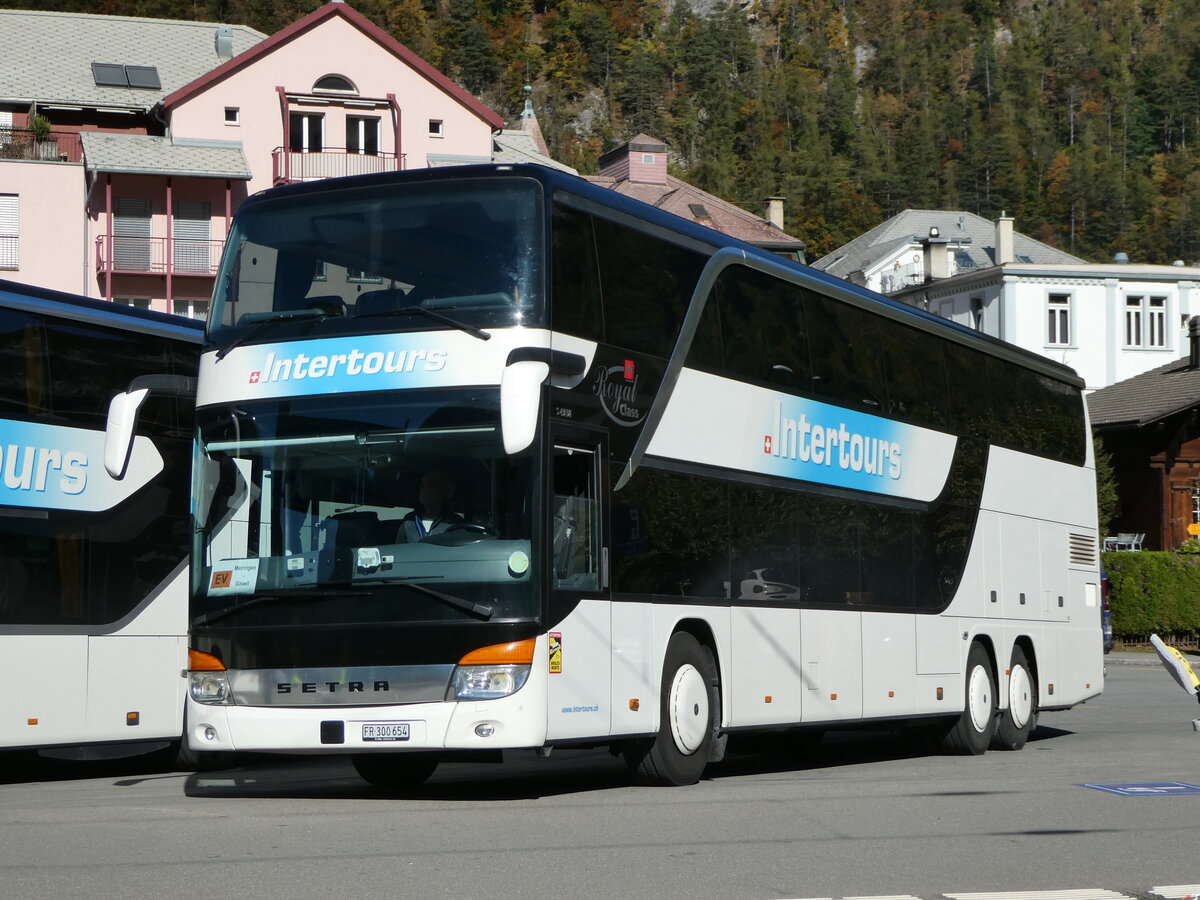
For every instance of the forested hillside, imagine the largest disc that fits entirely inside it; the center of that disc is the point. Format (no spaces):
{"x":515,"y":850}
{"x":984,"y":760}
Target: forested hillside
{"x":1081,"y":118}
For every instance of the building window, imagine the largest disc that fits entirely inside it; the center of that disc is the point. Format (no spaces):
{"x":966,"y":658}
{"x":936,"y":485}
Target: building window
{"x":362,"y":135}
{"x":193,"y":309}
{"x":1058,"y":320}
{"x":233,"y":115}
{"x":334,"y":84}
{"x":1133,"y":321}
{"x":306,"y":132}
{"x":359,"y":277}
{"x":435,"y":128}
{"x":136,"y":302}
{"x":8,"y":231}
{"x":1146,"y":322}
{"x":1156,"y":322}
{"x":647,"y":159}
{"x":977,"y":313}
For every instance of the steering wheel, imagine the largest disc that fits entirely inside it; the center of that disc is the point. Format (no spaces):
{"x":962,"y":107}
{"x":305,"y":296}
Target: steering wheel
{"x":468,"y":526}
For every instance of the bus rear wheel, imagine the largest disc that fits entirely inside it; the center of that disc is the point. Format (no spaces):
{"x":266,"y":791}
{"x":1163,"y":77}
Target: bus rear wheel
{"x":1017,"y":721}
{"x":688,"y":713}
{"x":972,"y":732}
{"x":394,"y":770}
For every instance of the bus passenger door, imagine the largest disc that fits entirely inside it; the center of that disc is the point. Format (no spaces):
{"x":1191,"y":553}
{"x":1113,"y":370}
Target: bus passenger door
{"x":578,"y":693}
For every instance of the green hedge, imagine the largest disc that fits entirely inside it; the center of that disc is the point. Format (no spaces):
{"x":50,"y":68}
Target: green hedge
{"x":1153,"y":592}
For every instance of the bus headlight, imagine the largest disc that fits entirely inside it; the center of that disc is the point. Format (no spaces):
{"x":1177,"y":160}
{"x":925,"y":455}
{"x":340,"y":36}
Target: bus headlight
{"x":487,"y":682}
{"x":210,"y":687}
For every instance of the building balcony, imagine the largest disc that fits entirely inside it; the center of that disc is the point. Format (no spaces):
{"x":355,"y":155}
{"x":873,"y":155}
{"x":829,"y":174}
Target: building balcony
{"x":289,"y":166}
{"x":157,"y":256}
{"x":59,"y":146}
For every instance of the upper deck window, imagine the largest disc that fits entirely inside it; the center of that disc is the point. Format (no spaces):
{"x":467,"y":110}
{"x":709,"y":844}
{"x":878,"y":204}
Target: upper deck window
{"x":469,"y":249}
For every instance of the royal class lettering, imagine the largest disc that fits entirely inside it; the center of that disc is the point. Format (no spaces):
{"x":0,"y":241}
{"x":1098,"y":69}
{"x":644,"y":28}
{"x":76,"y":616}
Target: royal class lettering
{"x":617,"y":389}
{"x":832,"y":445}
{"x":36,"y":469}
{"x":330,"y":687}
{"x":356,"y":362}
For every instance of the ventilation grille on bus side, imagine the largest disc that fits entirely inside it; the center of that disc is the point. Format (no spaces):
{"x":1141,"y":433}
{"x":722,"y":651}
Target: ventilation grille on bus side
{"x":1083,"y":550}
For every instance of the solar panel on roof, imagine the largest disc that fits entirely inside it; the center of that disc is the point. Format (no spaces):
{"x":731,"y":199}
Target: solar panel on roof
{"x":109,"y":75}
{"x":143,"y":77}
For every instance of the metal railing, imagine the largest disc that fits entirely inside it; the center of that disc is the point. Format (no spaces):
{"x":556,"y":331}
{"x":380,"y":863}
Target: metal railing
{"x":58,"y":146}
{"x":157,"y":255}
{"x":288,"y":166}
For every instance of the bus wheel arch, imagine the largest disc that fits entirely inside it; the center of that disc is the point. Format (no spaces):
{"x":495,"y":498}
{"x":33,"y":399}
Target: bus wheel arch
{"x":972,"y":731}
{"x":394,"y":771}
{"x":689,"y":712}
{"x":1019,"y":717}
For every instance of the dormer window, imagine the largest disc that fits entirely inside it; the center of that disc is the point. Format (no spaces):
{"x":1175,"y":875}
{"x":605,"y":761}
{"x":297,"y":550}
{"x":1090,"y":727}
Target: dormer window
{"x":334,"y":84}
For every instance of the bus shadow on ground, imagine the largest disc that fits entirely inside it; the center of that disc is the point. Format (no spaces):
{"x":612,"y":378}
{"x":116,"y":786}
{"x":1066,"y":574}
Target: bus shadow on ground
{"x":27,"y":767}
{"x":567,"y":771}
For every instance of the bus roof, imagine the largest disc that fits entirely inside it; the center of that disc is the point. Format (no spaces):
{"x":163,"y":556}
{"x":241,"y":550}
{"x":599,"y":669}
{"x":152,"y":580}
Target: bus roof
{"x":99,"y":312}
{"x":553,"y":180}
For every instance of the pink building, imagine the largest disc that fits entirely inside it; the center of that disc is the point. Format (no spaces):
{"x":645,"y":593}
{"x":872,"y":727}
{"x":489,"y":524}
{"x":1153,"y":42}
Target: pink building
{"x":157,"y":130}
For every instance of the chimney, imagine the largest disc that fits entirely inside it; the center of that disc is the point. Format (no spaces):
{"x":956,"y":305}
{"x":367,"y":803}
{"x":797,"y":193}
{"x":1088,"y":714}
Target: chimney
{"x":775,"y":211}
{"x":1004,"y":240}
{"x":1194,"y":342}
{"x":937,"y":255}
{"x":224,"y":42}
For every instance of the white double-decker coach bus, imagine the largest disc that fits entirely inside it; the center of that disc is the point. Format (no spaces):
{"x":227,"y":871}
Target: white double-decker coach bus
{"x":491,"y":458}
{"x":93,"y":569}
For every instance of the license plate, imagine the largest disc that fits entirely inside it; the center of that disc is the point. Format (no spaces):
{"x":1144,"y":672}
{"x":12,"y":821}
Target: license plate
{"x":385,"y":731}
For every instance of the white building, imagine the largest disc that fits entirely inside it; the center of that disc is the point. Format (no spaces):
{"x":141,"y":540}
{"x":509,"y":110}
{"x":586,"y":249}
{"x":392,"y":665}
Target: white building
{"x":1108,"y":321}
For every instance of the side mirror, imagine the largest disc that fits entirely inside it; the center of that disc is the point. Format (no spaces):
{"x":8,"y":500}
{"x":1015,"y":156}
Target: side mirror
{"x":123,"y":410}
{"x":520,"y":397}
{"x":521,"y":390}
{"x":119,"y":432}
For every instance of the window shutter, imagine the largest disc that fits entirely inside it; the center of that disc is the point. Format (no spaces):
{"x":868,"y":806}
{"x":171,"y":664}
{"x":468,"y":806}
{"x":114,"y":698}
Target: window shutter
{"x":190,"y":230}
{"x":131,"y":234}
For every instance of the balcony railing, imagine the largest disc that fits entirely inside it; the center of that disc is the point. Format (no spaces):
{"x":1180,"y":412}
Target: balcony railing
{"x":59,"y":146}
{"x":157,"y":255}
{"x":290,"y":166}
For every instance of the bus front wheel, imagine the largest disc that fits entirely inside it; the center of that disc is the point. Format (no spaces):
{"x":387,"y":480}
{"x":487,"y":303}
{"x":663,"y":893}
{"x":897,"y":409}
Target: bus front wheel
{"x":688,"y":713}
{"x":394,"y":770}
{"x":972,"y":733}
{"x":1017,"y":721}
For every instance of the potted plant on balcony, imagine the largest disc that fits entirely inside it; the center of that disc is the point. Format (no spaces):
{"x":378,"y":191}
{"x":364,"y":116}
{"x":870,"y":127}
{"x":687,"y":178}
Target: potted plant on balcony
{"x":45,"y":147}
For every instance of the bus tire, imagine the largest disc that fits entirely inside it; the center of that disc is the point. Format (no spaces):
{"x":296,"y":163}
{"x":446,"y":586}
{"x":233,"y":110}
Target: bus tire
{"x":394,"y":770}
{"x":688,"y":713}
{"x":972,"y":731}
{"x":1016,"y":722}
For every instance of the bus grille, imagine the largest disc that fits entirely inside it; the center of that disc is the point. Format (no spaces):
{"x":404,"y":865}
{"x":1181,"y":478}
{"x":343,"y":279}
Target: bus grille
{"x":1083,"y":550}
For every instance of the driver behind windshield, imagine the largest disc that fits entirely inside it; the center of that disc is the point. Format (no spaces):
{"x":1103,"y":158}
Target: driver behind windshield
{"x":433,"y":513}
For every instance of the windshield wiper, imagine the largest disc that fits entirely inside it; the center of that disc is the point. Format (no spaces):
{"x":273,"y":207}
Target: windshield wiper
{"x":431,"y":314}
{"x":467,"y":606}
{"x":260,"y":599}
{"x":263,"y":324}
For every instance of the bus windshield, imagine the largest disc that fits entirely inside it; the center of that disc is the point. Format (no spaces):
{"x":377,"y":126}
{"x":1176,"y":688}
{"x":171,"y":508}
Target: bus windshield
{"x":370,"y":509}
{"x":347,"y":261}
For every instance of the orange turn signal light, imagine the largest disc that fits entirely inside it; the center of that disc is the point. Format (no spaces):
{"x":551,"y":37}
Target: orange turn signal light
{"x":204,"y":662}
{"x":516,"y":653}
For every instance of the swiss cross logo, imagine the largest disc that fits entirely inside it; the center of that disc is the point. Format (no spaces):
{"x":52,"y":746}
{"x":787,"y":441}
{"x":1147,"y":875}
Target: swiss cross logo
{"x":254,"y":376}
{"x":629,"y":370}
{"x":222,"y":579}
{"x":767,"y":444}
